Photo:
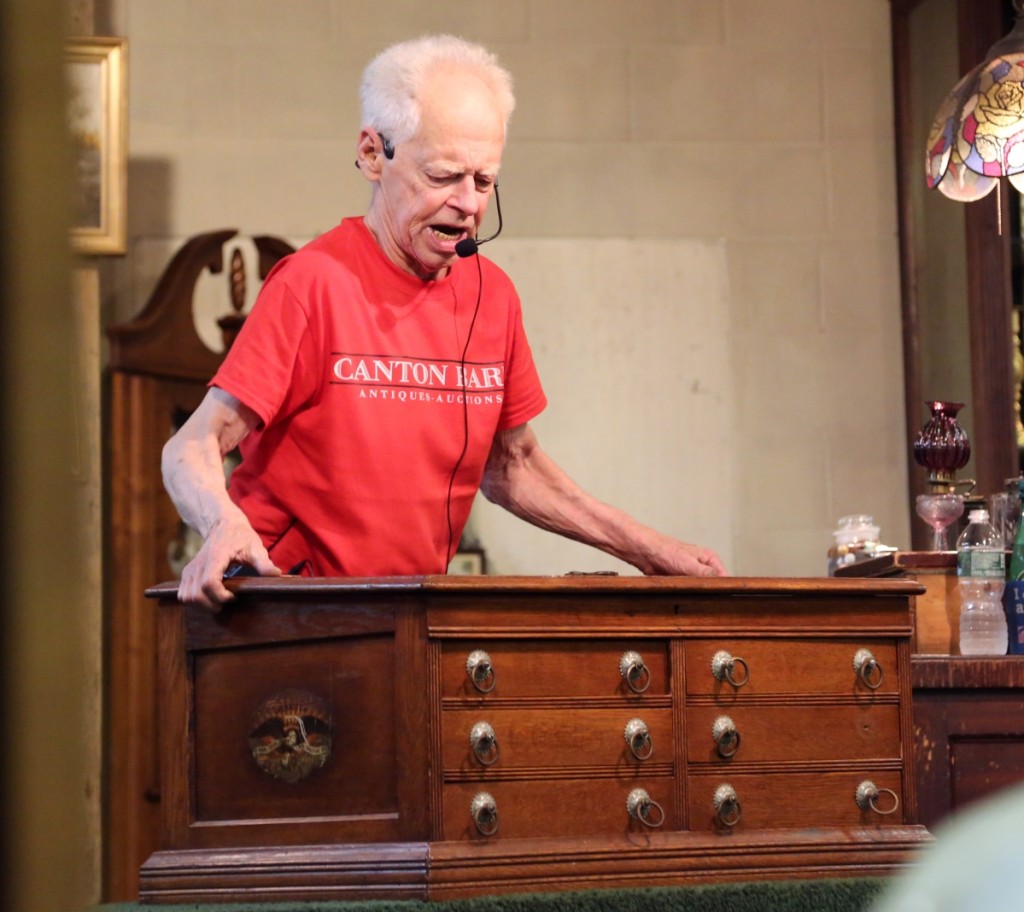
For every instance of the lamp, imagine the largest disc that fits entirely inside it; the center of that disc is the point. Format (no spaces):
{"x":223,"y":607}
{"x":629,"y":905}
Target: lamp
{"x":942,"y":447}
{"x":978,"y":134}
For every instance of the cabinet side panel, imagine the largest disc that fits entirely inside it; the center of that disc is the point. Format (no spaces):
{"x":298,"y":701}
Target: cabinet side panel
{"x":415,"y":695}
{"x":297,"y":731}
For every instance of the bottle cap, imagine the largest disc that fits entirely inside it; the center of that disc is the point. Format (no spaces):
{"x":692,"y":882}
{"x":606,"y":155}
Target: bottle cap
{"x":979,"y":515}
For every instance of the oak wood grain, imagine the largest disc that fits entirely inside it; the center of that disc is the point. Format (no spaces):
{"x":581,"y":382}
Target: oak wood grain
{"x":389,"y":657}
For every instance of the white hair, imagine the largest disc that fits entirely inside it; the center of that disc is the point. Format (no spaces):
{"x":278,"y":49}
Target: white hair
{"x":392,"y":82}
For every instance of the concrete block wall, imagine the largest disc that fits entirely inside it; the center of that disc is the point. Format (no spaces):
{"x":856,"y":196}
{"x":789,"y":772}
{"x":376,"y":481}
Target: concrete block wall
{"x":700,"y":214}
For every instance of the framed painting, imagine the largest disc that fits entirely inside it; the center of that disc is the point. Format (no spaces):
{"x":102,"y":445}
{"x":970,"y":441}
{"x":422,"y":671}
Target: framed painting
{"x":97,"y":108}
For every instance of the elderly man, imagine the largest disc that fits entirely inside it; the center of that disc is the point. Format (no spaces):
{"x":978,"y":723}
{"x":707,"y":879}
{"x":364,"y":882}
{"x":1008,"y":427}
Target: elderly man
{"x":382,"y":378}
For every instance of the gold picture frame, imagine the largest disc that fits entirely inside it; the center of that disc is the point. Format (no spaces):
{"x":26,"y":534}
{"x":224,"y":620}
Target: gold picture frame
{"x":97,"y":121}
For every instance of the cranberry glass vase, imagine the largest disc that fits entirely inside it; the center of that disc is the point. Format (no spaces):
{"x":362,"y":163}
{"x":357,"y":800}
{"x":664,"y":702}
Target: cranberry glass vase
{"x":942,"y":446}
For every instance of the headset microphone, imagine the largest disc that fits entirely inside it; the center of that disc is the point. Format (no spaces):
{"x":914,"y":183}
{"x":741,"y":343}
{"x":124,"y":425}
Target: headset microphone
{"x":468,"y":246}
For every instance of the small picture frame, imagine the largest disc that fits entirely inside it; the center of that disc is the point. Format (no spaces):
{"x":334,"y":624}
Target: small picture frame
{"x":468,"y":562}
{"x":97,"y":115}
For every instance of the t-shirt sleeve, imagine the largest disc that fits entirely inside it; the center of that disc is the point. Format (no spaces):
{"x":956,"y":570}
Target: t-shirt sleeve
{"x":268,"y":366}
{"x":524,"y":397}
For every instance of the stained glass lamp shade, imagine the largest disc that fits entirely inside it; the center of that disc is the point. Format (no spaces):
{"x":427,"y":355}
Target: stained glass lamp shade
{"x":978,"y":135}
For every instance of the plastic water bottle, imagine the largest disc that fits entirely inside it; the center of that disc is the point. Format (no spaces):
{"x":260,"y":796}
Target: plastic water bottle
{"x":981,"y":568}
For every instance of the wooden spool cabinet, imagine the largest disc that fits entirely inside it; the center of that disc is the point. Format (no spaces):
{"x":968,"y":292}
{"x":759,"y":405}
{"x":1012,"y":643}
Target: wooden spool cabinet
{"x":445,"y":737}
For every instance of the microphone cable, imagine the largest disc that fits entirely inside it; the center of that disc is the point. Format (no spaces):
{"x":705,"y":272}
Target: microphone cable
{"x":465,"y":417}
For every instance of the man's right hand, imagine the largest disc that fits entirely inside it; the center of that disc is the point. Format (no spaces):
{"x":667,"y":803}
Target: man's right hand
{"x":202,"y":580}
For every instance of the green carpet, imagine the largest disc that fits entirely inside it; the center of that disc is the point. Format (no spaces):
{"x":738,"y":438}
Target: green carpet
{"x":846,"y":895}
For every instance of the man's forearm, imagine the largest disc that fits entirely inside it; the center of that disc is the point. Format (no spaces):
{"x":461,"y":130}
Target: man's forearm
{"x":525,"y":481}
{"x":529,"y":484}
{"x":192,"y":461}
{"x":195,"y":481}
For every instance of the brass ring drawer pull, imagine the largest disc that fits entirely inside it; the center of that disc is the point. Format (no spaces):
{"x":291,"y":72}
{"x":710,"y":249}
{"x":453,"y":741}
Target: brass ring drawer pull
{"x":484,"y":811}
{"x":484,"y":743}
{"x":644,"y":808}
{"x":868,"y":669}
{"x":635,"y":672}
{"x":638,"y":737}
{"x":723,"y":667}
{"x":726,"y":735}
{"x":480,"y":670}
{"x":727,"y":805}
{"x":868,"y":794}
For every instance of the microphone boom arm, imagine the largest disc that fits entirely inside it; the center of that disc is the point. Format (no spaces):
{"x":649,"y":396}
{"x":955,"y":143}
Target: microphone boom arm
{"x":469,"y":246}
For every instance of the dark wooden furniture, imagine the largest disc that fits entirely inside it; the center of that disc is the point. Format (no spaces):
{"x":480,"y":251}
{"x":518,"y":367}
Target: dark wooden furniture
{"x":158,"y":372}
{"x":969,"y":729}
{"x":986,"y":251}
{"x":441,"y":737}
{"x":968,"y":711}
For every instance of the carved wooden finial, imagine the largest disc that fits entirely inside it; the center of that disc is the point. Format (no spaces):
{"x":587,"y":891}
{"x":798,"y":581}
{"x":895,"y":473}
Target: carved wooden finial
{"x":231,"y":323}
{"x":236,"y":279}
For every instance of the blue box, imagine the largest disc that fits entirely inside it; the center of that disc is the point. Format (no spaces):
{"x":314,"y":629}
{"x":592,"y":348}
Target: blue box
{"x":1013,"y":603}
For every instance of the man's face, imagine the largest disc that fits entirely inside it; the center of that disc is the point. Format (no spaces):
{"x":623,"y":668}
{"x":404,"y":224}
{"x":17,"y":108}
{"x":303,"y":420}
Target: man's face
{"x":435,"y":190}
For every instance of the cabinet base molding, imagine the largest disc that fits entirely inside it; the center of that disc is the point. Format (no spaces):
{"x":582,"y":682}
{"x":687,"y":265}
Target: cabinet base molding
{"x":342,"y":872}
{"x":455,"y":870}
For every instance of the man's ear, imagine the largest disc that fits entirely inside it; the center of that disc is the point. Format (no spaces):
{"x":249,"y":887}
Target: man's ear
{"x":369,"y":155}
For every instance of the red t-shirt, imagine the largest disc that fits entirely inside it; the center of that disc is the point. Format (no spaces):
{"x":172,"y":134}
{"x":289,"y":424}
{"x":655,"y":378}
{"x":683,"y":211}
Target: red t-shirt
{"x":355,"y":368}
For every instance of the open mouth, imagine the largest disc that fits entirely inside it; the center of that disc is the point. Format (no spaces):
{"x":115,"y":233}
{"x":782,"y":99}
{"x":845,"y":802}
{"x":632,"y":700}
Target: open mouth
{"x":447,"y":232}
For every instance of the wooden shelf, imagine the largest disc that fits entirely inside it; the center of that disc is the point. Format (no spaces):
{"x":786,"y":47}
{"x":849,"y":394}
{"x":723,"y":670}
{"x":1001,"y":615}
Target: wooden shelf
{"x":967,"y":672}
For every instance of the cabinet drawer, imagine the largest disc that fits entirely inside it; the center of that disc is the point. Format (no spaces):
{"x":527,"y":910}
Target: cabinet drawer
{"x":556,"y":807}
{"x":805,"y":666}
{"x":825,"y":732}
{"x":541,"y":738}
{"x":794,"y":800}
{"x":553,"y":668}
